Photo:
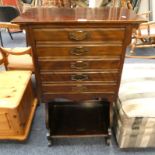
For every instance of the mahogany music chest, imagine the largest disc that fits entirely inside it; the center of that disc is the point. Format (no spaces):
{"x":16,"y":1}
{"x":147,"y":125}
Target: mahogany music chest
{"x":78,"y":56}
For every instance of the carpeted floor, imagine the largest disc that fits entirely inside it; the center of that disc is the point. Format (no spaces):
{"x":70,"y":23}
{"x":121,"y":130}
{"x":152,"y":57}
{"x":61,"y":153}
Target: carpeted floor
{"x":37,"y":143}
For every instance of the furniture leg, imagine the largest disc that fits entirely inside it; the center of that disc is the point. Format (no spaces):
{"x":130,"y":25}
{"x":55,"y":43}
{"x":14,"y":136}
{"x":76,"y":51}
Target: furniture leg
{"x":108,"y":122}
{"x":48,"y":134}
{"x":133,"y":45}
{"x":1,"y":38}
{"x":108,"y":138}
{"x":10,"y":34}
{"x":49,"y":138}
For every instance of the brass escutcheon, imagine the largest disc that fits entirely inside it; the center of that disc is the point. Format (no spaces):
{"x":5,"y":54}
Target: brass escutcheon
{"x":79,"y":65}
{"x":79,"y":77}
{"x":78,"y":35}
{"x":79,"y":51}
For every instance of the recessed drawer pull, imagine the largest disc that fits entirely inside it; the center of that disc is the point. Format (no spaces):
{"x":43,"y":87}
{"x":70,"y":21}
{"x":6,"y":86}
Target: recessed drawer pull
{"x":79,"y":65}
{"x":79,"y":77}
{"x":78,"y":35}
{"x":78,"y":51}
{"x":79,"y":88}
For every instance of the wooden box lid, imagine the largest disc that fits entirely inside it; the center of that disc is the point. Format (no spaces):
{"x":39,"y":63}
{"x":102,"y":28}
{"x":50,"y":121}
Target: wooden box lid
{"x":12,"y":87}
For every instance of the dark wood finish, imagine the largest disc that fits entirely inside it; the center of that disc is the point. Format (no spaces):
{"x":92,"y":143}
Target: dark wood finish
{"x":78,"y":88}
{"x":78,"y":15}
{"x":106,"y":76}
{"x":81,"y":64}
{"x":87,"y":118}
{"x":78,"y":55}
{"x":81,"y":34}
{"x":50,"y":50}
{"x":81,"y":97}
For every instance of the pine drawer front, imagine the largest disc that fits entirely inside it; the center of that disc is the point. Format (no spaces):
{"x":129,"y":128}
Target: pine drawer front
{"x":109,"y":76}
{"x":49,"y":50}
{"x":79,"y":34}
{"x":75,"y":64}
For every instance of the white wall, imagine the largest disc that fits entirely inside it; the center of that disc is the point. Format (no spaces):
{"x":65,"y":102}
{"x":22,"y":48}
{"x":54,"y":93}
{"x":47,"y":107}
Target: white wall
{"x":153,"y":10}
{"x":144,"y":6}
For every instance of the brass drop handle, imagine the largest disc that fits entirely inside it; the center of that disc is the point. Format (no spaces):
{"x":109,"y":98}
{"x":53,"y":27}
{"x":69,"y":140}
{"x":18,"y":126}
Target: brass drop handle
{"x":79,"y":88}
{"x":79,"y":65}
{"x":77,"y":51}
{"x":79,"y":77}
{"x":78,"y":35}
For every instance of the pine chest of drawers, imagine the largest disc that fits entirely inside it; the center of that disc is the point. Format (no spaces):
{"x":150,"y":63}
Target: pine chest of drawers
{"x":78,"y":53}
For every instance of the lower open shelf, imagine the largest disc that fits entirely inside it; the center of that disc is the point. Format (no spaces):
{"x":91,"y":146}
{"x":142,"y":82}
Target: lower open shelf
{"x":66,"y":119}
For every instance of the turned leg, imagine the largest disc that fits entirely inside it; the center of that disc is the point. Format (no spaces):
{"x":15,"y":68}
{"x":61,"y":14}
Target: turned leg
{"x":108,"y":137}
{"x":48,"y":134}
{"x":49,"y":138}
{"x":133,"y":45}
{"x":108,"y":121}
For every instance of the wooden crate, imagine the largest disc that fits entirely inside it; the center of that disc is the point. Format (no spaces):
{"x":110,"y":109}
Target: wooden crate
{"x":17,"y":104}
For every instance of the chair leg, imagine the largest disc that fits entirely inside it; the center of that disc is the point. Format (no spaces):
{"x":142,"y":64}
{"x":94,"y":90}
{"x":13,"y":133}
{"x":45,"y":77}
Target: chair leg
{"x":10,"y":34}
{"x":133,"y":46}
{"x":1,"y":38}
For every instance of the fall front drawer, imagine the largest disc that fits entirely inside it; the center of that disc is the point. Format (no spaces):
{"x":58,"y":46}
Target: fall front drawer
{"x":80,"y":34}
{"x":72,"y":88}
{"x":75,"y":64}
{"x":106,"y":76}
{"x":76,"y":97}
{"x":45,"y":50}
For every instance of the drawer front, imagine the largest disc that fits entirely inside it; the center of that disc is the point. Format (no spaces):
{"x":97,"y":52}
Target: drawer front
{"x":77,"y":50}
{"x":47,"y":77}
{"x":49,"y":64}
{"x":78,"y":97}
{"x":81,"y":34}
{"x":78,"y":88}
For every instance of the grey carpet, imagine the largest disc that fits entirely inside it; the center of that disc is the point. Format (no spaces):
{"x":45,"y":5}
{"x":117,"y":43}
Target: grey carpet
{"x":37,"y":143}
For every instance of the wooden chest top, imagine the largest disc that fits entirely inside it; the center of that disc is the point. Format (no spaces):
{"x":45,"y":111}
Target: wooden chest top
{"x":12,"y":87}
{"x":78,"y":15}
